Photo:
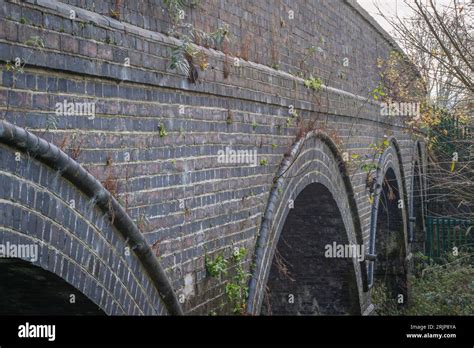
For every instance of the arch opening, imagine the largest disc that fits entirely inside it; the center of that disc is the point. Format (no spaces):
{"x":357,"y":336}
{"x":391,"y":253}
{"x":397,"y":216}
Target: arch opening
{"x":389,"y":268}
{"x":417,"y":220}
{"x":26,"y":289}
{"x":307,"y":277}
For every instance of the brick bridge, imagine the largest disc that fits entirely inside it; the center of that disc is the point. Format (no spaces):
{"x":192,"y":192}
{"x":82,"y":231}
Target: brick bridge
{"x":126,"y":205}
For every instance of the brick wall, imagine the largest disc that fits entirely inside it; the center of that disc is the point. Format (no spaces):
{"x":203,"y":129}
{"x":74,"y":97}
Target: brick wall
{"x":75,"y":240}
{"x":186,"y":203}
{"x":277,"y":33}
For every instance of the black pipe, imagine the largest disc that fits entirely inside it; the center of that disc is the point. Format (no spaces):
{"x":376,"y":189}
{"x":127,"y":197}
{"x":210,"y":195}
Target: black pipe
{"x":52,"y":156}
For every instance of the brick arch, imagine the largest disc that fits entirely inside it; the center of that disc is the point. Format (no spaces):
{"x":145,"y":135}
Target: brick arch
{"x":313,"y":159}
{"x":389,"y":177}
{"x":302,"y":279}
{"x":82,"y":234}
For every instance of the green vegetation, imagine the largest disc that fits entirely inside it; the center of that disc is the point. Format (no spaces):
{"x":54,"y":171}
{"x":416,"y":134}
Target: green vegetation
{"x":236,"y":289}
{"x":442,"y":288}
{"x":254,"y":125}
{"x":162,"y":130}
{"x":35,"y":41}
{"x":313,"y":83}
{"x":216,"y":267}
{"x":378,"y":93}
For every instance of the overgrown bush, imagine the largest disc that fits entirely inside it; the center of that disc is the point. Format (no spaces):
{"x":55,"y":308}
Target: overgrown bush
{"x":445,"y":287}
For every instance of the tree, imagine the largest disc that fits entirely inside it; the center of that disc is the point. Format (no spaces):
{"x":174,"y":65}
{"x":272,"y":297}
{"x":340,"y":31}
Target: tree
{"x":438,"y":40}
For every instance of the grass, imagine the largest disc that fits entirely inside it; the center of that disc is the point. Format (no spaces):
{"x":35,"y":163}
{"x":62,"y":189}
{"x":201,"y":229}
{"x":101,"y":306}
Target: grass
{"x":444,"y":287}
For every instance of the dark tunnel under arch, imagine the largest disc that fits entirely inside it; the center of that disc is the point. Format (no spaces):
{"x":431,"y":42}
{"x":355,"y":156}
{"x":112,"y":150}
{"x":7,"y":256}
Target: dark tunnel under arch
{"x":302,"y":280}
{"x":26,"y":289}
{"x":417,"y":218}
{"x":389,"y":269}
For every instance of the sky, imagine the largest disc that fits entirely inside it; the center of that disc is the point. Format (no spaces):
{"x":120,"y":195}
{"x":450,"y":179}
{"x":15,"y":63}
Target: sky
{"x":390,"y":7}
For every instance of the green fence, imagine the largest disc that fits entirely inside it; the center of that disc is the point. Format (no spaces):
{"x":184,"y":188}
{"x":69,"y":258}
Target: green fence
{"x":450,"y":136}
{"x":444,"y":234}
